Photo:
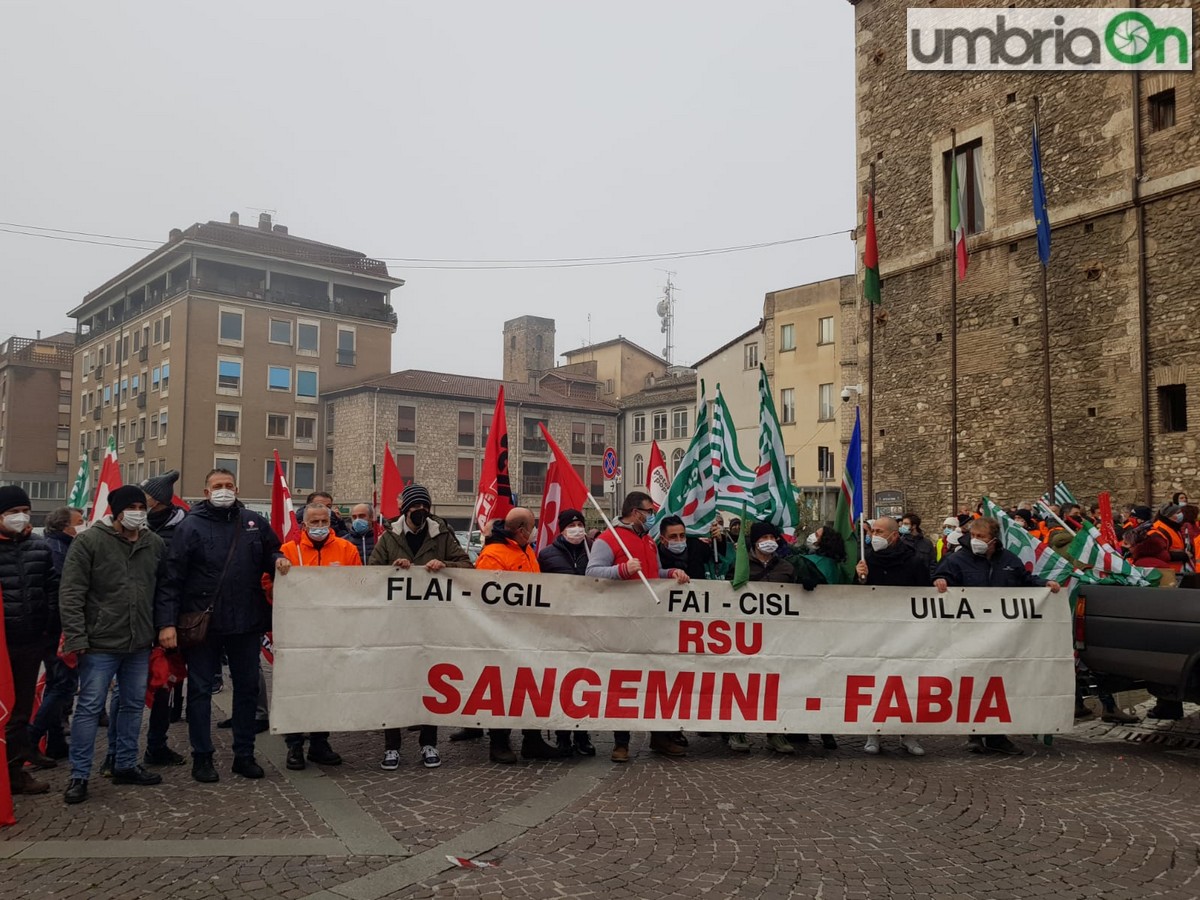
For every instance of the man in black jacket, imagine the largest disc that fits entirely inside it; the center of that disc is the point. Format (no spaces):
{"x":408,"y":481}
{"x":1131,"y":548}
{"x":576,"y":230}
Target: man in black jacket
{"x":362,"y":530}
{"x":891,"y":562}
{"x":31,"y":625}
{"x":218,"y":557}
{"x":676,"y":550}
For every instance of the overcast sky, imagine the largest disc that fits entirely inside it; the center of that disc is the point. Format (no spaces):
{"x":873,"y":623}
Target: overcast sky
{"x":440,"y":130}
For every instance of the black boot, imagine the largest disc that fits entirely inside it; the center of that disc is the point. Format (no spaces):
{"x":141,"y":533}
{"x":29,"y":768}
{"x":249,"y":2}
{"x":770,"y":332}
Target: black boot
{"x":202,"y":768}
{"x":76,"y":790}
{"x":466,"y":734}
{"x":322,"y":754}
{"x":247,"y":767}
{"x":136,"y":775}
{"x":295,"y":757}
{"x":534,"y":747}
{"x":583,"y":744}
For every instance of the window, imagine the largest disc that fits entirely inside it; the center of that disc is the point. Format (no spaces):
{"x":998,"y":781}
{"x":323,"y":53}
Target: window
{"x":278,"y":425}
{"x":968,"y":161}
{"x":223,"y":462}
{"x":609,"y":386}
{"x":485,"y":429}
{"x":825,"y":330}
{"x":676,"y":461}
{"x":107,"y":395}
{"x":406,"y":424}
{"x":306,"y":429}
{"x":166,"y":329}
{"x":466,"y":475}
{"x":825,"y":405}
{"x":228,"y":422}
{"x":824,"y":463}
{"x":659,"y":431}
{"x":166,"y":376}
{"x":639,"y":470}
{"x":158,"y":331}
{"x":532,"y":439}
{"x":124,"y":390}
{"x":750,"y":353}
{"x":789,"y":464}
{"x":533,"y":478}
{"x":306,"y":384}
{"x":329,"y":461}
{"x":121,"y":435}
{"x":308,"y":337}
{"x":304,"y":478}
{"x":639,"y":428}
{"x":578,"y":438}
{"x":787,"y":406}
{"x":596,"y":483}
{"x":269,"y":470}
{"x":330,"y":418}
{"x":154,"y":426}
{"x":135,"y":385}
{"x":598,"y":442}
{"x":345,"y":346}
{"x":137,"y":341}
{"x":279,"y":378}
{"x":1172,"y":406}
{"x":466,"y":429}
{"x":1162,"y":110}
{"x":787,"y":337}
{"x":229,"y":376}
{"x":162,"y":426}
{"x":406,"y":464}
{"x":230,"y":327}
{"x":679,"y":423}
{"x":280,"y":332}
{"x":155,"y":379}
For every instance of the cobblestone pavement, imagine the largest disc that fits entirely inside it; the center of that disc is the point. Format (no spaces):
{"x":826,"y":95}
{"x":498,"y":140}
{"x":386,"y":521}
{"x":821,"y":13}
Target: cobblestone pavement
{"x":1106,"y":812}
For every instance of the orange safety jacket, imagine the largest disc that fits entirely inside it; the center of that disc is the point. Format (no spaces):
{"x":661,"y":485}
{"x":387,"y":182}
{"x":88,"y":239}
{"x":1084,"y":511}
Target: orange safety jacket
{"x":334,"y":551}
{"x":506,"y":556}
{"x":1174,"y":541}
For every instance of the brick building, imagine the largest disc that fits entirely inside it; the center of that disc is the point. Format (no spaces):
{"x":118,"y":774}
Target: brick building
{"x":35,"y":418}
{"x":1119,"y":153}
{"x":214,"y":350}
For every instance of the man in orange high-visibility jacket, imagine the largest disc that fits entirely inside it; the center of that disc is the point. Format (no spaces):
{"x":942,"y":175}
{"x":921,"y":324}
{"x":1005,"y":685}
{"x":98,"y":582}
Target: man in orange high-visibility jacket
{"x":317,"y":546}
{"x":1168,"y":524}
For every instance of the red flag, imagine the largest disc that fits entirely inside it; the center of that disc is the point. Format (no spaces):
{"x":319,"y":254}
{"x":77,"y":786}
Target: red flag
{"x":393,"y":484}
{"x":109,"y":481}
{"x":658,"y":480}
{"x":8,"y":696}
{"x":180,"y":502}
{"x":495,"y":491}
{"x":1108,"y":533}
{"x":564,"y":490}
{"x":283,"y":516}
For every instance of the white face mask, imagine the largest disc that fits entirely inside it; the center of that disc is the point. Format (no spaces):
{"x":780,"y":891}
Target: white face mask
{"x":766,"y":548}
{"x":878,"y":543}
{"x":811,"y":540}
{"x":133,"y":519}
{"x":575,"y":534}
{"x":978,"y":547}
{"x":222,"y":498}
{"x":16,"y":522}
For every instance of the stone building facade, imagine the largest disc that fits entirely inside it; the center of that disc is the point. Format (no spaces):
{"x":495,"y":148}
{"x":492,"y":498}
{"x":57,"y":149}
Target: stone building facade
{"x":664,"y":413}
{"x":1119,"y":153}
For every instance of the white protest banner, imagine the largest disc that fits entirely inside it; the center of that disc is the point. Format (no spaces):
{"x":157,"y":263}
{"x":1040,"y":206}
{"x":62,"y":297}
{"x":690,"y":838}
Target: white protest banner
{"x":360,"y":649}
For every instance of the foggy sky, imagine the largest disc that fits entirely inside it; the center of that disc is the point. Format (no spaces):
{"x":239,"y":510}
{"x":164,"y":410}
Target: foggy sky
{"x":443,"y":130}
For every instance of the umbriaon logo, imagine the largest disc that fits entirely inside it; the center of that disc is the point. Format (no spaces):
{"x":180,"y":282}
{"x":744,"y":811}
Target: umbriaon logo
{"x":1103,"y":40}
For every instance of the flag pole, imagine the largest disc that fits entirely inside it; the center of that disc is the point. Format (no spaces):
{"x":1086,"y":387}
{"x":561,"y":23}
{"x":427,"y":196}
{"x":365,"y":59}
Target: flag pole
{"x":868,"y":501}
{"x":1046,"y":509}
{"x":1046,"y":400}
{"x":862,"y":520}
{"x":953,"y":345}
{"x":616,"y":534}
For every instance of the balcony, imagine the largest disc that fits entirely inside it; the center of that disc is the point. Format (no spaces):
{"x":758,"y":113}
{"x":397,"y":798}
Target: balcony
{"x":144,"y":354}
{"x":346,"y":357}
{"x":534,"y":444}
{"x":139,"y":446}
{"x":96,"y":414}
{"x":98,"y":371}
{"x":533,"y":487}
{"x":141,"y":400}
{"x":578,"y":447}
{"x":95,"y":454}
{"x":598,"y":446}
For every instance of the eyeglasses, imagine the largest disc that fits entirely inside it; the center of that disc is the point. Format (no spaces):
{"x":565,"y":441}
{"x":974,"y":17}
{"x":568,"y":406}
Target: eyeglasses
{"x":648,"y":510}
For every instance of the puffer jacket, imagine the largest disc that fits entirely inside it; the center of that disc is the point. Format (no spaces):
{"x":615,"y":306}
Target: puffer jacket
{"x":564,"y":558}
{"x":199,"y":548}
{"x":967,"y":569}
{"x":439,"y":542}
{"x":107,"y":592}
{"x":364,"y":543}
{"x":30,"y":587}
{"x":165,"y":522}
{"x":60,"y":543}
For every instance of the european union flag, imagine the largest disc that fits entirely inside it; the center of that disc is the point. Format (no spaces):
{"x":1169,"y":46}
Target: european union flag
{"x":1040,"y":218}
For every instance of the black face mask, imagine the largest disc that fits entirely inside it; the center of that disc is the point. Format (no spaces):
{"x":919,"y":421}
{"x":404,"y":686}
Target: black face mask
{"x":417,"y":518}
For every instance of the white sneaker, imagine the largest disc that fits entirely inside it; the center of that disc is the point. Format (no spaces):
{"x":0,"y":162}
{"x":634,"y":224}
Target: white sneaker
{"x":429,"y":756}
{"x":391,"y":760}
{"x":872,"y":744}
{"x":912,"y":746}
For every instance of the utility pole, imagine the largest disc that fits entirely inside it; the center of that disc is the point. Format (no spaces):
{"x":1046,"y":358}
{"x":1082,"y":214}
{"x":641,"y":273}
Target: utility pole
{"x":666,"y":315}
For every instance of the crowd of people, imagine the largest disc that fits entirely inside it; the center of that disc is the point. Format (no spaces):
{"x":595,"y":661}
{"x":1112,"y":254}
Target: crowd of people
{"x":121,"y":613}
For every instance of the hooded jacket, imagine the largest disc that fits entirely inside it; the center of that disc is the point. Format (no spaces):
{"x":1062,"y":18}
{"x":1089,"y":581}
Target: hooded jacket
{"x":364,"y":543}
{"x":439,"y":542}
{"x":896,"y":566}
{"x":29,"y":583}
{"x":564,"y":558}
{"x":199,"y":549}
{"x":107,"y":594}
{"x":165,"y":522}
{"x":1002,"y":569}
{"x":503,"y":554}
{"x":333,"y":551}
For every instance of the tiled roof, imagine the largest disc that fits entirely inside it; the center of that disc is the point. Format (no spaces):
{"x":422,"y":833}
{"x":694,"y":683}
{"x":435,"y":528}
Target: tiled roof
{"x":619,"y":339}
{"x":471,"y":387}
{"x":677,"y":389}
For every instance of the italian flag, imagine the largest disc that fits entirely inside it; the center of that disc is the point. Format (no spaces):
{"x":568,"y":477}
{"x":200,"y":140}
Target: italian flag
{"x":871,"y":256}
{"x":958,"y":215}
{"x":109,"y":481}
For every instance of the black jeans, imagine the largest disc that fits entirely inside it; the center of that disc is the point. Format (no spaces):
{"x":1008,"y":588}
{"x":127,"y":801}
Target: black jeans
{"x":392,"y":737}
{"x":296,"y":738}
{"x":160,"y":720}
{"x":26,"y":662}
{"x":204,"y":664}
{"x":62,"y":682}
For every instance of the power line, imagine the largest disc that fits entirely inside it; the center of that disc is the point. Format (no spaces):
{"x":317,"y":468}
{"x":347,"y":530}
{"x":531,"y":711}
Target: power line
{"x":409,"y":262}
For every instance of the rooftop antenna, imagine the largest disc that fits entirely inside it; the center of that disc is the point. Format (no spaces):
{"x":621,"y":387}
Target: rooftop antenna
{"x":666,"y":316}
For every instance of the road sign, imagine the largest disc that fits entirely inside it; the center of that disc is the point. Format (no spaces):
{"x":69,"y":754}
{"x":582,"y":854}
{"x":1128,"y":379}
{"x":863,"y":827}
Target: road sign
{"x":610,"y":463}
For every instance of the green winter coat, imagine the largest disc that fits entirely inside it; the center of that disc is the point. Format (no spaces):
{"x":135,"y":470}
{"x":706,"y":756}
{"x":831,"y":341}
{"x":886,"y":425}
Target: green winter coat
{"x":106,"y":597}
{"x":440,"y":543}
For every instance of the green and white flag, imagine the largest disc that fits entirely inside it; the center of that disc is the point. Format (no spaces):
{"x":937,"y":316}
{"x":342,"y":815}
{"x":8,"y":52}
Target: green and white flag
{"x":1062,"y":494}
{"x":1105,"y":565}
{"x":733,"y":478}
{"x":79,"y":490}
{"x":1038,"y":556}
{"x":693,"y":497}
{"x":774,"y":499}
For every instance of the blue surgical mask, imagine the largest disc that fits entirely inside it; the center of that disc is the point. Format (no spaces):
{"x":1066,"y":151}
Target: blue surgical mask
{"x":360,"y":526}
{"x":904,"y":529}
{"x":677,"y":547}
{"x":318,"y":534}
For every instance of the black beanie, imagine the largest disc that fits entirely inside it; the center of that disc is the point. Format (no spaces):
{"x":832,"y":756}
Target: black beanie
{"x":570,"y":517}
{"x":162,"y":487}
{"x":124,"y":497}
{"x":761,"y":530}
{"x":412,"y":495}
{"x":12,"y":496}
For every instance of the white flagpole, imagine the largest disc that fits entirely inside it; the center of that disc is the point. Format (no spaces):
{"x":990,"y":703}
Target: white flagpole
{"x":1053,"y":515}
{"x":617,"y":535}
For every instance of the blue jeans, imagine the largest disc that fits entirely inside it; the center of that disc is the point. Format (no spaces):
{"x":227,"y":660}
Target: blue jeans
{"x":96,"y":671}
{"x":204,"y":664}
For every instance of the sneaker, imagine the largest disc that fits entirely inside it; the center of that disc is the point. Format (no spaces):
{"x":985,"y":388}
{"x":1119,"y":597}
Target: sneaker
{"x":1002,"y":744}
{"x":738,"y":743}
{"x":1166,"y":709}
{"x":39,"y":760}
{"x":620,"y":754}
{"x":163,"y":756}
{"x":430,"y":757}
{"x":136,"y":775}
{"x":76,"y":791}
{"x":665,"y":744}
{"x":295,"y":757}
{"x":391,"y":760}
{"x":106,"y":769}
{"x":872,"y":745}
{"x":322,"y":754}
{"x":466,"y":734}
{"x":24,"y":783}
{"x":777,"y":743}
{"x":533,"y":746}
{"x":247,"y":767}
{"x":680,"y":739}
{"x":829,"y":742}
{"x":203,"y":770}
{"x":913,"y":747}
{"x":583,"y":745}
{"x":975,"y":744}
{"x":1120,"y":717}
{"x":565,"y":746}
{"x":218,"y":685}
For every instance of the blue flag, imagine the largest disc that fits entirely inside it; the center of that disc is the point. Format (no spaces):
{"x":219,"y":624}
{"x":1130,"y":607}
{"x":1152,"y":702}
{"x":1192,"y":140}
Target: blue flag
{"x":848,"y":515}
{"x":1040,"y":217}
